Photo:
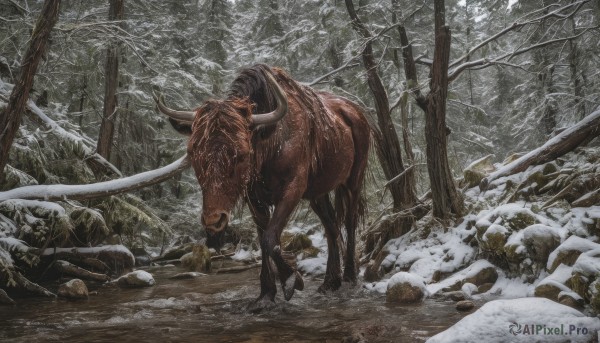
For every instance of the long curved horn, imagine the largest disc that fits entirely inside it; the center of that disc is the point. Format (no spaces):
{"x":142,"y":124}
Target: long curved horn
{"x":279,"y":112}
{"x":182,"y":116}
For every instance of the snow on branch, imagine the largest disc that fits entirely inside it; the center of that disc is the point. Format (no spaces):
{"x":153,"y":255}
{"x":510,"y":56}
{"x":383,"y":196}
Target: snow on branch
{"x":564,"y":142}
{"x":91,"y":157}
{"x":99,"y":189}
{"x":517,"y":25}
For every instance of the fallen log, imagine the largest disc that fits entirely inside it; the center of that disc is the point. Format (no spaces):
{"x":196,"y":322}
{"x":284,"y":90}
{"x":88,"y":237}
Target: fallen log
{"x":116,"y":258}
{"x":65,"y":267}
{"x":585,"y":130}
{"x":99,"y":189}
{"x":237,"y":269}
{"x":31,"y":287}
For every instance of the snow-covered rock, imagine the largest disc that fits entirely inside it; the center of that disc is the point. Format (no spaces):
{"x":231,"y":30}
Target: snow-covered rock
{"x":479,"y":273}
{"x":405,"y":288}
{"x":568,"y":252}
{"x":555,"y":283}
{"x":521,"y":320}
{"x":138,"y":278}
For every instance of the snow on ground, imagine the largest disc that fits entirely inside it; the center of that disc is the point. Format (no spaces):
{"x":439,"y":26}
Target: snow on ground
{"x":440,"y":251}
{"x":572,"y":243}
{"x":521,"y":320}
{"x":314,"y":266}
{"x":466,"y":273}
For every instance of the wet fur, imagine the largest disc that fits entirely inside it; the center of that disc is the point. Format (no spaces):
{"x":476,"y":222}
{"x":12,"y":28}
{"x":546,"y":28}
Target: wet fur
{"x":320,"y":146}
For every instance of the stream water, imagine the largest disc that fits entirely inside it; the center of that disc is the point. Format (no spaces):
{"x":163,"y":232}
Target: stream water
{"x":212,"y":309}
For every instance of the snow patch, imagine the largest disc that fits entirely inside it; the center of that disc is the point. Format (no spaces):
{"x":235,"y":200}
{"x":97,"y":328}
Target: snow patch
{"x":502,"y":321}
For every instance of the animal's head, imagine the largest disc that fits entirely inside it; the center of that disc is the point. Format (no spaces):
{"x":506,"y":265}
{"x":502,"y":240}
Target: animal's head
{"x":220,"y":148}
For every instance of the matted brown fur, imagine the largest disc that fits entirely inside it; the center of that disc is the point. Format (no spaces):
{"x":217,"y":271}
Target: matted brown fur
{"x":320,"y":146}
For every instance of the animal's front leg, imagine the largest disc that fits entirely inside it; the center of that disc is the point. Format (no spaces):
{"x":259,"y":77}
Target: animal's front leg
{"x":271,"y":244}
{"x":268,"y":288}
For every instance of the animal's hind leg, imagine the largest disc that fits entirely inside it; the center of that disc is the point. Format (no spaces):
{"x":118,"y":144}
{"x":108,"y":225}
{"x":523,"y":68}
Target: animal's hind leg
{"x":354,"y":204}
{"x":324,"y":210}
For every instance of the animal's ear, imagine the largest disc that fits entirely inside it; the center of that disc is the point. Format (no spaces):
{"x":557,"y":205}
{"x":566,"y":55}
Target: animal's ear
{"x":181,"y":127}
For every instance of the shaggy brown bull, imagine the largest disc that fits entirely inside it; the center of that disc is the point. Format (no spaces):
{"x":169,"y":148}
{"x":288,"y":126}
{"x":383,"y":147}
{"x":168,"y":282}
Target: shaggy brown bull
{"x":303,"y":145}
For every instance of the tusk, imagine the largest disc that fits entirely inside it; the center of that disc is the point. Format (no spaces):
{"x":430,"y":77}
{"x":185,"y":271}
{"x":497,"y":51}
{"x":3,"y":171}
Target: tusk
{"x":186,"y":117}
{"x":279,"y":112}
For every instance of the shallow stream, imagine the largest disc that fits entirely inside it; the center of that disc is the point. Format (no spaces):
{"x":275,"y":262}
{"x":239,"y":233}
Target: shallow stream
{"x":212,"y":309}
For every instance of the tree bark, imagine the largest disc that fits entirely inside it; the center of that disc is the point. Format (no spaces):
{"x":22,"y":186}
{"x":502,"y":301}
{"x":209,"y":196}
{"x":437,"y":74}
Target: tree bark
{"x":388,"y":147}
{"x":111,"y":82}
{"x":564,"y":142}
{"x":446,"y":199}
{"x":11,"y":118}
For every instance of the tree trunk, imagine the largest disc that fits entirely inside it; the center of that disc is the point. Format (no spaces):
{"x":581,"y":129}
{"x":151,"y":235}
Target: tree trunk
{"x":11,"y":118}
{"x":111,"y":82}
{"x":578,"y":91}
{"x":446,"y":199}
{"x":388,"y":147}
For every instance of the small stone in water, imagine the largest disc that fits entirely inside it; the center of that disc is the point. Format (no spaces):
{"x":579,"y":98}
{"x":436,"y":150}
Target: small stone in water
{"x":138,"y":278}
{"x":455,"y":295}
{"x":188,"y":275}
{"x":74,"y":289}
{"x":465,"y":305}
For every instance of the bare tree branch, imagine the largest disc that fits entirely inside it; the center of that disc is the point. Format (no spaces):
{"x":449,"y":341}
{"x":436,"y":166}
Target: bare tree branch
{"x":486,"y":62}
{"x":517,"y":25}
{"x":346,"y":65}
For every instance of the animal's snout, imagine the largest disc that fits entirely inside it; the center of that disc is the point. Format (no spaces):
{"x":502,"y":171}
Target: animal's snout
{"x":215,"y":222}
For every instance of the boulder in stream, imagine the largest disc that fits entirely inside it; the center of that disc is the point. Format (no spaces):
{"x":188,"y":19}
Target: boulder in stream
{"x":405,"y":288}
{"x":138,"y":278}
{"x":74,"y":289}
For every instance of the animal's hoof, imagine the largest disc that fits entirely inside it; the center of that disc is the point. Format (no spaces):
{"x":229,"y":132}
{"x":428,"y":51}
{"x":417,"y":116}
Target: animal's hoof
{"x":261,"y":304}
{"x":299,"y":284}
{"x":294,"y":282}
{"x":329,"y":285}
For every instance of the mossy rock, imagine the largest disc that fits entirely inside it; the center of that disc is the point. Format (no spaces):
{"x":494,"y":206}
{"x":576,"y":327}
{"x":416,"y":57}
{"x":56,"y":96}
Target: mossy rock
{"x":520,"y":221}
{"x":594,"y":295}
{"x":566,"y":257}
{"x":485,"y":275}
{"x":579,"y":284}
{"x":569,"y":299}
{"x":548,"y":291}
{"x":472,"y":178}
{"x":296,"y":243}
{"x":404,"y":293}
{"x":74,"y":289}
{"x":540,"y":241}
{"x":177,"y":252}
{"x":493,"y":242}
{"x":539,"y":179}
{"x":515,"y":253}
{"x":198,"y":260}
